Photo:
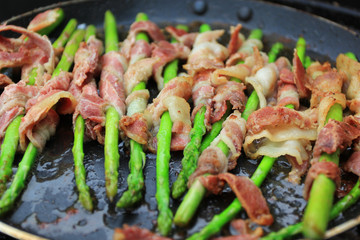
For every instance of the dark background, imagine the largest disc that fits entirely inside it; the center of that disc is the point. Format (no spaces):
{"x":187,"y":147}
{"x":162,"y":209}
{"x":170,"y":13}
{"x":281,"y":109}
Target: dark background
{"x":345,"y":12}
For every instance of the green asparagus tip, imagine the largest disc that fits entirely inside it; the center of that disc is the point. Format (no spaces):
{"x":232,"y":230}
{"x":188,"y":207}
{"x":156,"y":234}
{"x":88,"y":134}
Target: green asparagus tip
{"x":141,"y":17}
{"x":205,"y":28}
{"x":256,"y":34}
{"x":182,"y":27}
{"x":111,"y":37}
{"x":351,"y":55}
{"x":142,"y":36}
{"x":90,"y":31}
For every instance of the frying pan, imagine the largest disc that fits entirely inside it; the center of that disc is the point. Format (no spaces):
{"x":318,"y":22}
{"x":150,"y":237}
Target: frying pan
{"x":49,"y":206}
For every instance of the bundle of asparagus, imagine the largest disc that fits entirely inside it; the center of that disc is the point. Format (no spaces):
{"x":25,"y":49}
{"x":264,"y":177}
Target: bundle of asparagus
{"x":164,"y":125}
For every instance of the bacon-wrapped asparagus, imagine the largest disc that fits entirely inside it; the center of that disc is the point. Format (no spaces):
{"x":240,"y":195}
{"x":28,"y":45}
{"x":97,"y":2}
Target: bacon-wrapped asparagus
{"x":326,"y":94}
{"x":112,"y":90}
{"x":14,"y":98}
{"x":83,"y":87}
{"x":258,"y":177}
{"x":40,"y":121}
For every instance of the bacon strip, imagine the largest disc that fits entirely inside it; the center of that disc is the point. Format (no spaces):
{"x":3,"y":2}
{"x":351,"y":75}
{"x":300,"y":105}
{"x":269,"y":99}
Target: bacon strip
{"x":92,"y":108}
{"x":279,"y":131}
{"x":246,"y":191}
{"x":202,"y":94}
{"x":213,"y":160}
{"x":111,"y":84}
{"x":182,"y":36}
{"x":86,"y":60}
{"x":329,"y":169}
{"x":353,"y":163}
{"x":207,"y":53}
{"x":5,"y":80}
{"x":143,"y":26}
{"x":171,"y":98}
{"x":135,"y":233}
{"x":235,"y":41}
{"x":166,"y":52}
{"x":336,"y":135}
{"x":12,"y":103}
{"x":39,"y":109}
{"x":232,"y":134}
{"x":231,"y":91}
{"x":36,"y":51}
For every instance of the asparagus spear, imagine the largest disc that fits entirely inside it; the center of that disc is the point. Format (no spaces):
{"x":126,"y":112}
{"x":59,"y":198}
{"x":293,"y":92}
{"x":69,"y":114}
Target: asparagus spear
{"x":112,"y":118}
{"x":230,"y":212}
{"x":316,"y":216}
{"x":347,"y":201}
{"x":18,"y":184}
{"x":65,"y":34}
{"x":78,"y":150}
{"x":191,"y":151}
{"x":217,"y":126}
{"x":163,"y":158}
{"x":137,"y":156}
{"x":193,"y":198}
{"x":11,"y":140}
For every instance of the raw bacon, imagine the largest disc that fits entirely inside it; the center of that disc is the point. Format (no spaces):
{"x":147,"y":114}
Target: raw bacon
{"x":329,"y":169}
{"x":4,"y":80}
{"x":171,"y":98}
{"x":13,"y":101}
{"x":207,"y":53}
{"x":143,"y":26}
{"x":279,"y":131}
{"x":39,"y":109}
{"x":165,"y":52}
{"x":336,"y":135}
{"x":111,"y":84}
{"x":231,"y":91}
{"x":213,"y":160}
{"x":182,"y":36}
{"x":92,"y":108}
{"x":86,"y":60}
{"x":135,"y":233}
{"x":246,"y":191}
{"x":36,"y":51}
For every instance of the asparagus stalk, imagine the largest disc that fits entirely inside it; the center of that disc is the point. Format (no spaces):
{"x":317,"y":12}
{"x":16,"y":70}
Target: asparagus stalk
{"x":78,"y":150}
{"x":196,"y":193}
{"x":191,"y":151}
{"x":65,"y":34}
{"x":8,"y":199}
{"x":11,"y":140}
{"x":258,"y":177}
{"x":137,"y":156}
{"x":163,"y":158}
{"x":347,"y":201}
{"x":317,"y":212}
{"x":112,"y":118}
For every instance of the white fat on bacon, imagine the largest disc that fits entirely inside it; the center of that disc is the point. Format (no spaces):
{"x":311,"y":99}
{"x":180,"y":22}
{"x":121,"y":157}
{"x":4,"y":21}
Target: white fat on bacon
{"x":264,"y":82}
{"x":232,"y":134}
{"x":280,"y":131}
{"x":41,"y":106}
{"x":351,"y":86}
{"x":207,"y":53}
{"x":138,"y":72}
{"x":12,"y":103}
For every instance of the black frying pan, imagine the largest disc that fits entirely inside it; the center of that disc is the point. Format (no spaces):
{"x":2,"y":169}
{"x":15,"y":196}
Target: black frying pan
{"x":49,"y":206}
